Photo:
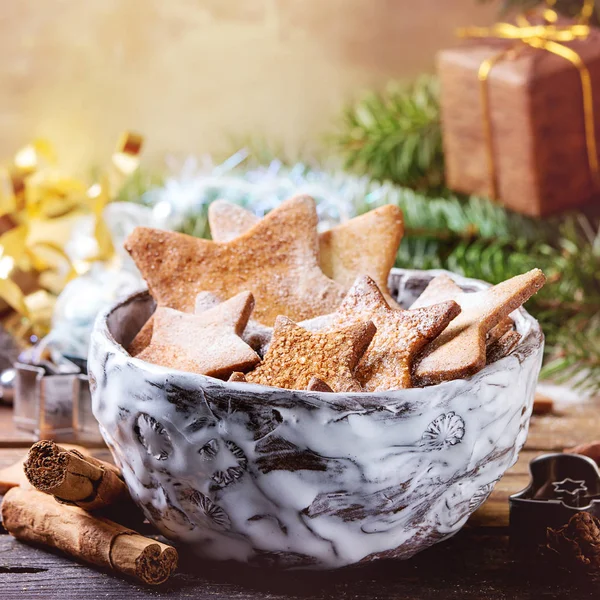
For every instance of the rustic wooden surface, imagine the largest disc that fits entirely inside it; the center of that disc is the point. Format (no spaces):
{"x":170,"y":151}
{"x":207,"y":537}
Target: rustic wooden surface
{"x":10,"y":436}
{"x":475,"y":564}
{"x":468,"y":567}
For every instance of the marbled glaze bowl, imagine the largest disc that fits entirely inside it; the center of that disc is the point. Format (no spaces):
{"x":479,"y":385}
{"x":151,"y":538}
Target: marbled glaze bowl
{"x":305,"y":479}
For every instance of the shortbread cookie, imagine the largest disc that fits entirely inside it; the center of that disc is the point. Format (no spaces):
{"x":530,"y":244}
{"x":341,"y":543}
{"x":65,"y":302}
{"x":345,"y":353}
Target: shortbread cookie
{"x":256,"y":335}
{"x":503,"y":346}
{"x":314,"y":385}
{"x":401,"y":334}
{"x":227,"y":220}
{"x":277,"y":260}
{"x":237,"y":377}
{"x":317,"y":385}
{"x":460,"y":350}
{"x":208,"y":343}
{"x":142,"y":339}
{"x":442,"y":288}
{"x":365,"y":245}
{"x":204,"y":301}
{"x":296,"y":356}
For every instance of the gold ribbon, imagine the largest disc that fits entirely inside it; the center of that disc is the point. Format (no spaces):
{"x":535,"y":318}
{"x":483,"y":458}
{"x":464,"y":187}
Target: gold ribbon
{"x":550,"y":37}
{"x":39,"y":208}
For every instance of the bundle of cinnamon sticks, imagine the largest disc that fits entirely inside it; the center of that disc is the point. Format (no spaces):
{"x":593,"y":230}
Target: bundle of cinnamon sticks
{"x":67,"y":506}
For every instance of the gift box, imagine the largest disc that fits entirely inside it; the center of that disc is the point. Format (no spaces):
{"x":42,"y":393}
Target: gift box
{"x":520,"y":109}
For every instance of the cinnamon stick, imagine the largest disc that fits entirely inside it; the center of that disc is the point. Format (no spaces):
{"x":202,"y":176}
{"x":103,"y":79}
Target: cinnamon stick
{"x":35,"y":517}
{"x":14,"y":474}
{"x":73,"y":478}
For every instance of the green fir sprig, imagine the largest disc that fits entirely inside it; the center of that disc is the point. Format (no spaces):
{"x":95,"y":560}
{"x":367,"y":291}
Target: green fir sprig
{"x":395,"y":135}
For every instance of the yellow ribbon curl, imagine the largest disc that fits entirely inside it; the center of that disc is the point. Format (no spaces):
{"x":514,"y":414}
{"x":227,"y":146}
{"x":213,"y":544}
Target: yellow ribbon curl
{"x":551,"y":37}
{"x":39,"y":209}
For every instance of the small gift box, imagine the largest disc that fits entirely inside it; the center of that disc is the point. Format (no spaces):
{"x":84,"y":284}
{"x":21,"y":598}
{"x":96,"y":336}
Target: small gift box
{"x":520,"y":113}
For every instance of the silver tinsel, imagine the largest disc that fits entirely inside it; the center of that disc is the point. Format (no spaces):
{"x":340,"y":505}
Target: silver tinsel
{"x":339,"y":196}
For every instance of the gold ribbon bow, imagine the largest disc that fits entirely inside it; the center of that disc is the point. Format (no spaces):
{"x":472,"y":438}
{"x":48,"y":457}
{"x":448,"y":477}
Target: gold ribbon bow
{"x":551,"y":37}
{"x":39,"y":209}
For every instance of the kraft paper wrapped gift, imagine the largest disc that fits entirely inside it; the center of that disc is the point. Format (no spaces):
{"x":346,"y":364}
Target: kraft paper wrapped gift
{"x":537,"y":156}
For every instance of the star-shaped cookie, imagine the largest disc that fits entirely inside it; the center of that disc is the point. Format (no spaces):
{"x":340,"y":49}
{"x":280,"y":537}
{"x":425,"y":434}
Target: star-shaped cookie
{"x":401,"y":334}
{"x":442,"y":288}
{"x":277,"y":260}
{"x":204,"y":301}
{"x":255,"y":334}
{"x":460,"y":351}
{"x":314,"y":385}
{"x":227,"y":220}
{"x":503,"y":346}
{"x":365,"y":245}
{"x":296,"y":357}
{"x":317,"y":385}
{"x":208,"y":343}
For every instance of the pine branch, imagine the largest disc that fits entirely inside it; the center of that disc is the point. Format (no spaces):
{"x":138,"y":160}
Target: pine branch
{"x":395,"y":135}
{"x":577,"y":357}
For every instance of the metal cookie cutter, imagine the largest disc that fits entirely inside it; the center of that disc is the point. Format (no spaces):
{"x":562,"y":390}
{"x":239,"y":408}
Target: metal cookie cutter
{"x":52,"y":401}
{"x":561,"y":485}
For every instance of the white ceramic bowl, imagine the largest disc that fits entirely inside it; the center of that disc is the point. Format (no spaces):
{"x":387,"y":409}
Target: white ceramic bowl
{"x":305,"y":479}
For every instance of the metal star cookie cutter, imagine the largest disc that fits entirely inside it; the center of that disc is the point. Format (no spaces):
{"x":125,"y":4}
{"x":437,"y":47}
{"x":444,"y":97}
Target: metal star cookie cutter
{"x":561,"y":485}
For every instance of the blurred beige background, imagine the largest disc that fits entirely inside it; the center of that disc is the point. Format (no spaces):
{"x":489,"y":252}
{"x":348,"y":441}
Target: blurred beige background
{"x":190,"y":74}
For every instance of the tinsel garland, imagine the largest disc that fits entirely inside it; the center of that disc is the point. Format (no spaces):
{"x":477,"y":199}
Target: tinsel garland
{"x":183,"y":200}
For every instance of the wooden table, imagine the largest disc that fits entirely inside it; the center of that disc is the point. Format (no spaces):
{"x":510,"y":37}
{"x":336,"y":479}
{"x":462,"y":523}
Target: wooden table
{"x":474,"y":564}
